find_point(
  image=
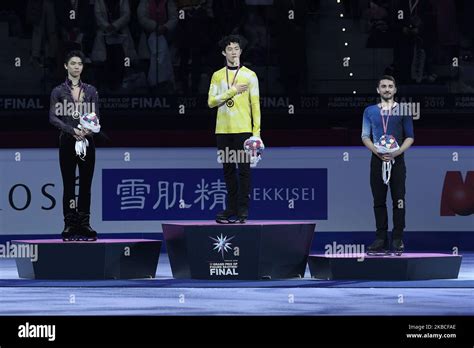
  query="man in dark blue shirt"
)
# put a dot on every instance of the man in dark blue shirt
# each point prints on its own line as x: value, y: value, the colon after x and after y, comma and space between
x: 69, y: 101
x: 388, y: 118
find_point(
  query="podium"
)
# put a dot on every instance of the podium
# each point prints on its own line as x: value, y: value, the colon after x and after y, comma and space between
x: 251, y: 251
x: 102, y: 259
x: 409, y: 266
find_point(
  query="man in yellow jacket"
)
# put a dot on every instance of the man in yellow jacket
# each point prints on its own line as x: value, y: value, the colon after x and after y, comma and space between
x: 234, y: 91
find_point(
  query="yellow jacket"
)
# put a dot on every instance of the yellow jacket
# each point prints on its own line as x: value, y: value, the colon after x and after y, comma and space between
x: 244, y: 115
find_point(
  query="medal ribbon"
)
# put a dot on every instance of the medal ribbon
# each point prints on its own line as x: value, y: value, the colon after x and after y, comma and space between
x: 72, y: 96
x: 227, y: 76
x: 385, y: 124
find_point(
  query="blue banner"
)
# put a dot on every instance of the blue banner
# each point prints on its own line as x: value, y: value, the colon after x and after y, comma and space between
x: 198, y: 194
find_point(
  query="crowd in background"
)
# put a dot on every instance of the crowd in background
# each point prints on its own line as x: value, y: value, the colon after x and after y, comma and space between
x: 170, y: 46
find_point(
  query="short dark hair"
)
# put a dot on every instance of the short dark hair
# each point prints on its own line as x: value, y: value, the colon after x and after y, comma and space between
x: 387, y: 77
x: 75, y: 53
x: 227, y: 40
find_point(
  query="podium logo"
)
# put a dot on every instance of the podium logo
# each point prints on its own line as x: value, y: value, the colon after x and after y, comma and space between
x: 222, y: 244
x: 227, y: 267
x: 37, y: 331
x: 458, y: 195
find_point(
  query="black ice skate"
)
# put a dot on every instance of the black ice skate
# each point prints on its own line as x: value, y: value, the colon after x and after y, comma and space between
x: 379, y: 247
x: 227, y: 216
x: 85, y: 231
x: 70, y: 231
x: 242, y: 215
x: 398, y: 247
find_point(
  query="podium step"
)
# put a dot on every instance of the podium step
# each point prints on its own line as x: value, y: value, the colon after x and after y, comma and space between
x: 251, y: 251
x: 103, y: 259
x: 409, y: 266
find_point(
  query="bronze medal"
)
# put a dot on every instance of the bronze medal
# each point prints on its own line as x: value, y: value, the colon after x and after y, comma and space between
x: 229, y: 103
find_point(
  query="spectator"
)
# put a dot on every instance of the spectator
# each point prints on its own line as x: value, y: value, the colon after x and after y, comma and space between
x: 292, y: 43
x: 158, y: 19
x: 41, y: 15
x: 192, y: 40
x: 229, y: 16
x: 113, y: 41
x: 76, y: 29
x: 415, y: 36
x: 380, y: 33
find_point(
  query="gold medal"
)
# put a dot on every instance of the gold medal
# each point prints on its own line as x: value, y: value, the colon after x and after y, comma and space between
x: 229, y: 103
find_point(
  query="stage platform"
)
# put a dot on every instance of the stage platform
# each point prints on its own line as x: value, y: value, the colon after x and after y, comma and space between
x: 409, y: 266
x: 164, y: 295
x: 254, y: 250
x: 101, y: 259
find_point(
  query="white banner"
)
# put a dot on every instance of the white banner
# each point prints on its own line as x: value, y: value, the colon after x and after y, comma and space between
x: 31, y: 186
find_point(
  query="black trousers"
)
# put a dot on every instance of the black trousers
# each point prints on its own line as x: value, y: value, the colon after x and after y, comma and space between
x: 238, y: 186
x: 68, y: 161
x: 379, y: 193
